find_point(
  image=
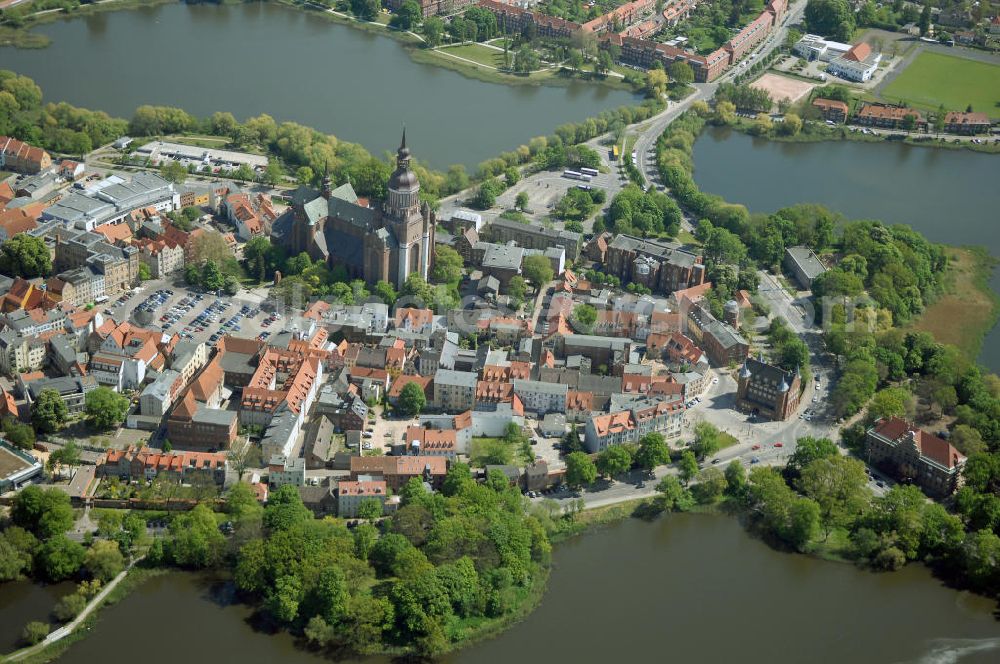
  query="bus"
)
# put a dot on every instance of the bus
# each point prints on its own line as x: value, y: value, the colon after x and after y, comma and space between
x: 573, y: 175
x: 592, y: 172
x: 584, y: 187
x: 615, y: 153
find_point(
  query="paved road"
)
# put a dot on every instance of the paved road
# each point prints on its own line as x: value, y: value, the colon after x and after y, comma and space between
x: 651, y: 129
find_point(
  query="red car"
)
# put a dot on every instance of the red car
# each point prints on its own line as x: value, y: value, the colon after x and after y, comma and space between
x: 779, y: 444
x: 755, y: 447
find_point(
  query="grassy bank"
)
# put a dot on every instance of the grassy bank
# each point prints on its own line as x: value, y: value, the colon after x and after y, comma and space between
x: 969, y: 308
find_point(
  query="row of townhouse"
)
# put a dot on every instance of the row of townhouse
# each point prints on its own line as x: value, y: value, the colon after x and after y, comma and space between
x: 134, y: 464
x: 627, y: 426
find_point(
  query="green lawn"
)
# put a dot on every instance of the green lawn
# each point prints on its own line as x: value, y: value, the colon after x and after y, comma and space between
x: 485, y: 451
x: 934, y: 79
x: 726, y: 440
x: 477, y: 53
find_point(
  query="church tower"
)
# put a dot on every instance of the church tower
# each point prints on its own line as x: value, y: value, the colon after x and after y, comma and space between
x: 403, y: 216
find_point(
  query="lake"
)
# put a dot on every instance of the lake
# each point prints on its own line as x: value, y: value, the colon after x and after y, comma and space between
x: 24, y: 601
x: 685, y: 588
x: 295, y: 65
x: 948, y: 195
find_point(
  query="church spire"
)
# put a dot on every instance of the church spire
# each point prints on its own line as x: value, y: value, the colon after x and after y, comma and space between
x: 327, y: 190
x: 403, y: 153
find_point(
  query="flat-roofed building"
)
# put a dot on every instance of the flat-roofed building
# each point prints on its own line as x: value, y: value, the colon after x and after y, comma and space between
x: 804, y: 265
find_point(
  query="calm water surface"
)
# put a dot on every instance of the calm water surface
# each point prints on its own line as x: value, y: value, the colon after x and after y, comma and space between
x: 688, y: 588
x: 24, y: 601
x: 294, y: 65
x: 948, y: 195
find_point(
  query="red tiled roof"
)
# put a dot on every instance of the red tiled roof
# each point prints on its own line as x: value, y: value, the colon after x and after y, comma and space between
x: 930, y: 446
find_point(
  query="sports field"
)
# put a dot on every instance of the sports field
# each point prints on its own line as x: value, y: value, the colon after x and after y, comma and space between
x: 933, y: 79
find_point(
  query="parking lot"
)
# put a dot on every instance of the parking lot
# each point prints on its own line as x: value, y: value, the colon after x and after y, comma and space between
x: 203, y: 317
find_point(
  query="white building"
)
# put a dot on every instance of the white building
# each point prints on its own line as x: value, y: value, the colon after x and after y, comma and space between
x: 541, y: 397
x: 858, y: 64
x: 814, y: 47
x: 282, y: 470
x: 350, y: 495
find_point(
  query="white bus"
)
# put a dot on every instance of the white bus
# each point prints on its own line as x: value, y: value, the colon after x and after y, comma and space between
x: 573, y: 175
x: 592, y: 172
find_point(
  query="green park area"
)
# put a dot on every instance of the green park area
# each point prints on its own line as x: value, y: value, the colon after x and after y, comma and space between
x: 477, y: 53
x: 934, y: 79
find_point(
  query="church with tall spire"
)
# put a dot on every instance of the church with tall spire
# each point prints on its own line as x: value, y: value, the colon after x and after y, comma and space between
x: 385, y: 243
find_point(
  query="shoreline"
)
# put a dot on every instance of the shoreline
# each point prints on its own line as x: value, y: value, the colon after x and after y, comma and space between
x: 23, y: 37
x: 842, y: 133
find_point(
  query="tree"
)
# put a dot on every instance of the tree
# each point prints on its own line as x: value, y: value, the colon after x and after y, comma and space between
x: 833, y: 19
x: 35, y: 632
x: 448, y: 266
x: 49, y: 411
x: 105, y: 408
x: 584, y: 317
x: 707, y: 440
x: 672, y: 496
x: 366, y: 10
x: 432, y: 30
x: 604, y: 62
x: 538, y: 270
x: 762, y: 125
x: 656, y: 83
x: 17, y: 551
x: 688, y: 466
x: 526, y: 60
x: 69, y: 607
x: 681, y: 72
x: 370, y: 508
x: 808, y: 450
x: 385, y: 292
x: 143, y: 273
x: 274, y: 174
x: 458, y: 476
x: 68, y: 455
x: 104, y: 560
x: 580, y: 470
x: 60, y: 558
x: 407, y: 16
x: 925, y: 19
x: 304, y: 176
x: 46, y: 513
x: 174, y: 171
x: 197, y: 541
x: 241, y: 503
x: 614, y: 460
x: 516, y: 288
x: 967, y: 440
x: 652, y: 452
x: 521, y: 200
x: 736, y: 478
x: 25, y: 256
x: 838, y: 484
x: 412, y: 399
x: 725, y: 113
x: 19, y: 433
x: 709, y: 486
x: 792, y: 125
x: 890, y: 402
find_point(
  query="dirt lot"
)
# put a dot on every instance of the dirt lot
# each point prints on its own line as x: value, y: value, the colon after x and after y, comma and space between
x: 782, y: 87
